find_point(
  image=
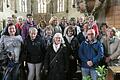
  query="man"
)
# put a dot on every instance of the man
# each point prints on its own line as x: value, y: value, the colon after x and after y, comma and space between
x: 112, y: 46
x: 28, y: 23
x: 90, y: 53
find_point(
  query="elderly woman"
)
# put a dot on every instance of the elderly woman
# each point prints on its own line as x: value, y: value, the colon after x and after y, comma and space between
x: 19, y: 24
x: 56, y: 59
x: 34, y: 49
x: 11, y: 42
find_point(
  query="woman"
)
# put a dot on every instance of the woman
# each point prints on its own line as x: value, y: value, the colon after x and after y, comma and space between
x: 19, y: 24
x: 11, y: 42
x: 48, y: 36
x: 53, y: 22
x: 41, y: 27
x: 56, y: 59
x: 34, y: 49
x: 72, y: 46
x: 82, y: 35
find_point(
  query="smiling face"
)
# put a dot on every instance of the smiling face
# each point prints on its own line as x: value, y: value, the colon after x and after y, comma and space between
x: 12, y: 30
x: 111, y: 33
x: 91, y: 34
x: 70, y: 31
x: 57, y: 40
x: 33, y: 33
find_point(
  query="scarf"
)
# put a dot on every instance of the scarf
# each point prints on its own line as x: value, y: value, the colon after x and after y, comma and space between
x: 56, y: 47
x: 69, y: 39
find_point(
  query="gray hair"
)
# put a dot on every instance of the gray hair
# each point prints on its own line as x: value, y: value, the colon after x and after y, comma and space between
x: 33, y: 29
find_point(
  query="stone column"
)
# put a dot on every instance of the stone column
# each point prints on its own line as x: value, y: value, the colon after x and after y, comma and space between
x: 28, y: 6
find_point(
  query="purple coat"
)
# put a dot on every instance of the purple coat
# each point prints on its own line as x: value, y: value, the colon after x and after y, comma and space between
x: 26, y: 27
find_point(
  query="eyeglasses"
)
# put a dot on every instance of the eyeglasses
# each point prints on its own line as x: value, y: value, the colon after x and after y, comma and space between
x: 90, y: 34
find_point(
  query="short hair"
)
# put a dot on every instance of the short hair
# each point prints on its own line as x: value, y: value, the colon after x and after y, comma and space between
x: 33, y: 29
x: 91, y: 17
x: 29, y: 15
x: 114, y: 31
x: 19, y: 17
x: 103, y: 25
x: 92, y: 31
x: 72, y: 19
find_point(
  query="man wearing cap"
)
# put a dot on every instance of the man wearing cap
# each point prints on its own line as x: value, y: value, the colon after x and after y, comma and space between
x: 28, y: 23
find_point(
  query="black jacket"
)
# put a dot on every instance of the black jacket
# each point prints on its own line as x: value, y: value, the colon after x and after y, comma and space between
x: 35, y: 50
x: 72, y: 49
x: 56, y: 70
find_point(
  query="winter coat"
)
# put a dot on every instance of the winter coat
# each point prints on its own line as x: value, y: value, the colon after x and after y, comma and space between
x: 87, y: 53
x: 113, y: 49
x: 72, y: 51
x: 81, y: 37
x: 25, y: 29
x: 34, y: 50
x: 56, y: 69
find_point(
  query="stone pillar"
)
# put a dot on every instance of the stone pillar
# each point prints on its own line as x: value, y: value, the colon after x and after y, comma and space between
x: 35, y: 6
x: 28, y: 6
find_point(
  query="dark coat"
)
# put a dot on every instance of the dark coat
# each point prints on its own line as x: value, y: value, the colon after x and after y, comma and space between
x: 35, y: 50
x: 56, y: 69
x: 81, y: 37
x: 25, y: 29
x: 72, y: 51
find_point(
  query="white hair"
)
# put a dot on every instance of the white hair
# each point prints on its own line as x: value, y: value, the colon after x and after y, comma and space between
x: 59, y: 35
x: 19, y: 17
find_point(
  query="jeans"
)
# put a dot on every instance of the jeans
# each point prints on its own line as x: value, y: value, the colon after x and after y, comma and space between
x: 34, y: 69
x: 89, y: 72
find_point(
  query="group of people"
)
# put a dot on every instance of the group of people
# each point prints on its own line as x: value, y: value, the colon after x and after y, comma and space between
x: 59, y: 46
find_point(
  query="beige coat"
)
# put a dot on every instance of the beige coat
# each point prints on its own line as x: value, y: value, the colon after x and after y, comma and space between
x: 113, y: 48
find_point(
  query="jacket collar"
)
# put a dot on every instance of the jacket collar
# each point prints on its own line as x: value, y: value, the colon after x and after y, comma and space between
x: 94, y: 41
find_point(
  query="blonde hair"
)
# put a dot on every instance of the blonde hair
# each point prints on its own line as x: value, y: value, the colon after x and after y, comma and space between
x: 52, y: 18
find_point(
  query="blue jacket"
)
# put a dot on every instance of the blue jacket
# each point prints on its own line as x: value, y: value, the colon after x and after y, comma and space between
x: 90, y: 52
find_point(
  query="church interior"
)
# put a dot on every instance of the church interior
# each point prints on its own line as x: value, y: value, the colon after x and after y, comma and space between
x: 104, y: 11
